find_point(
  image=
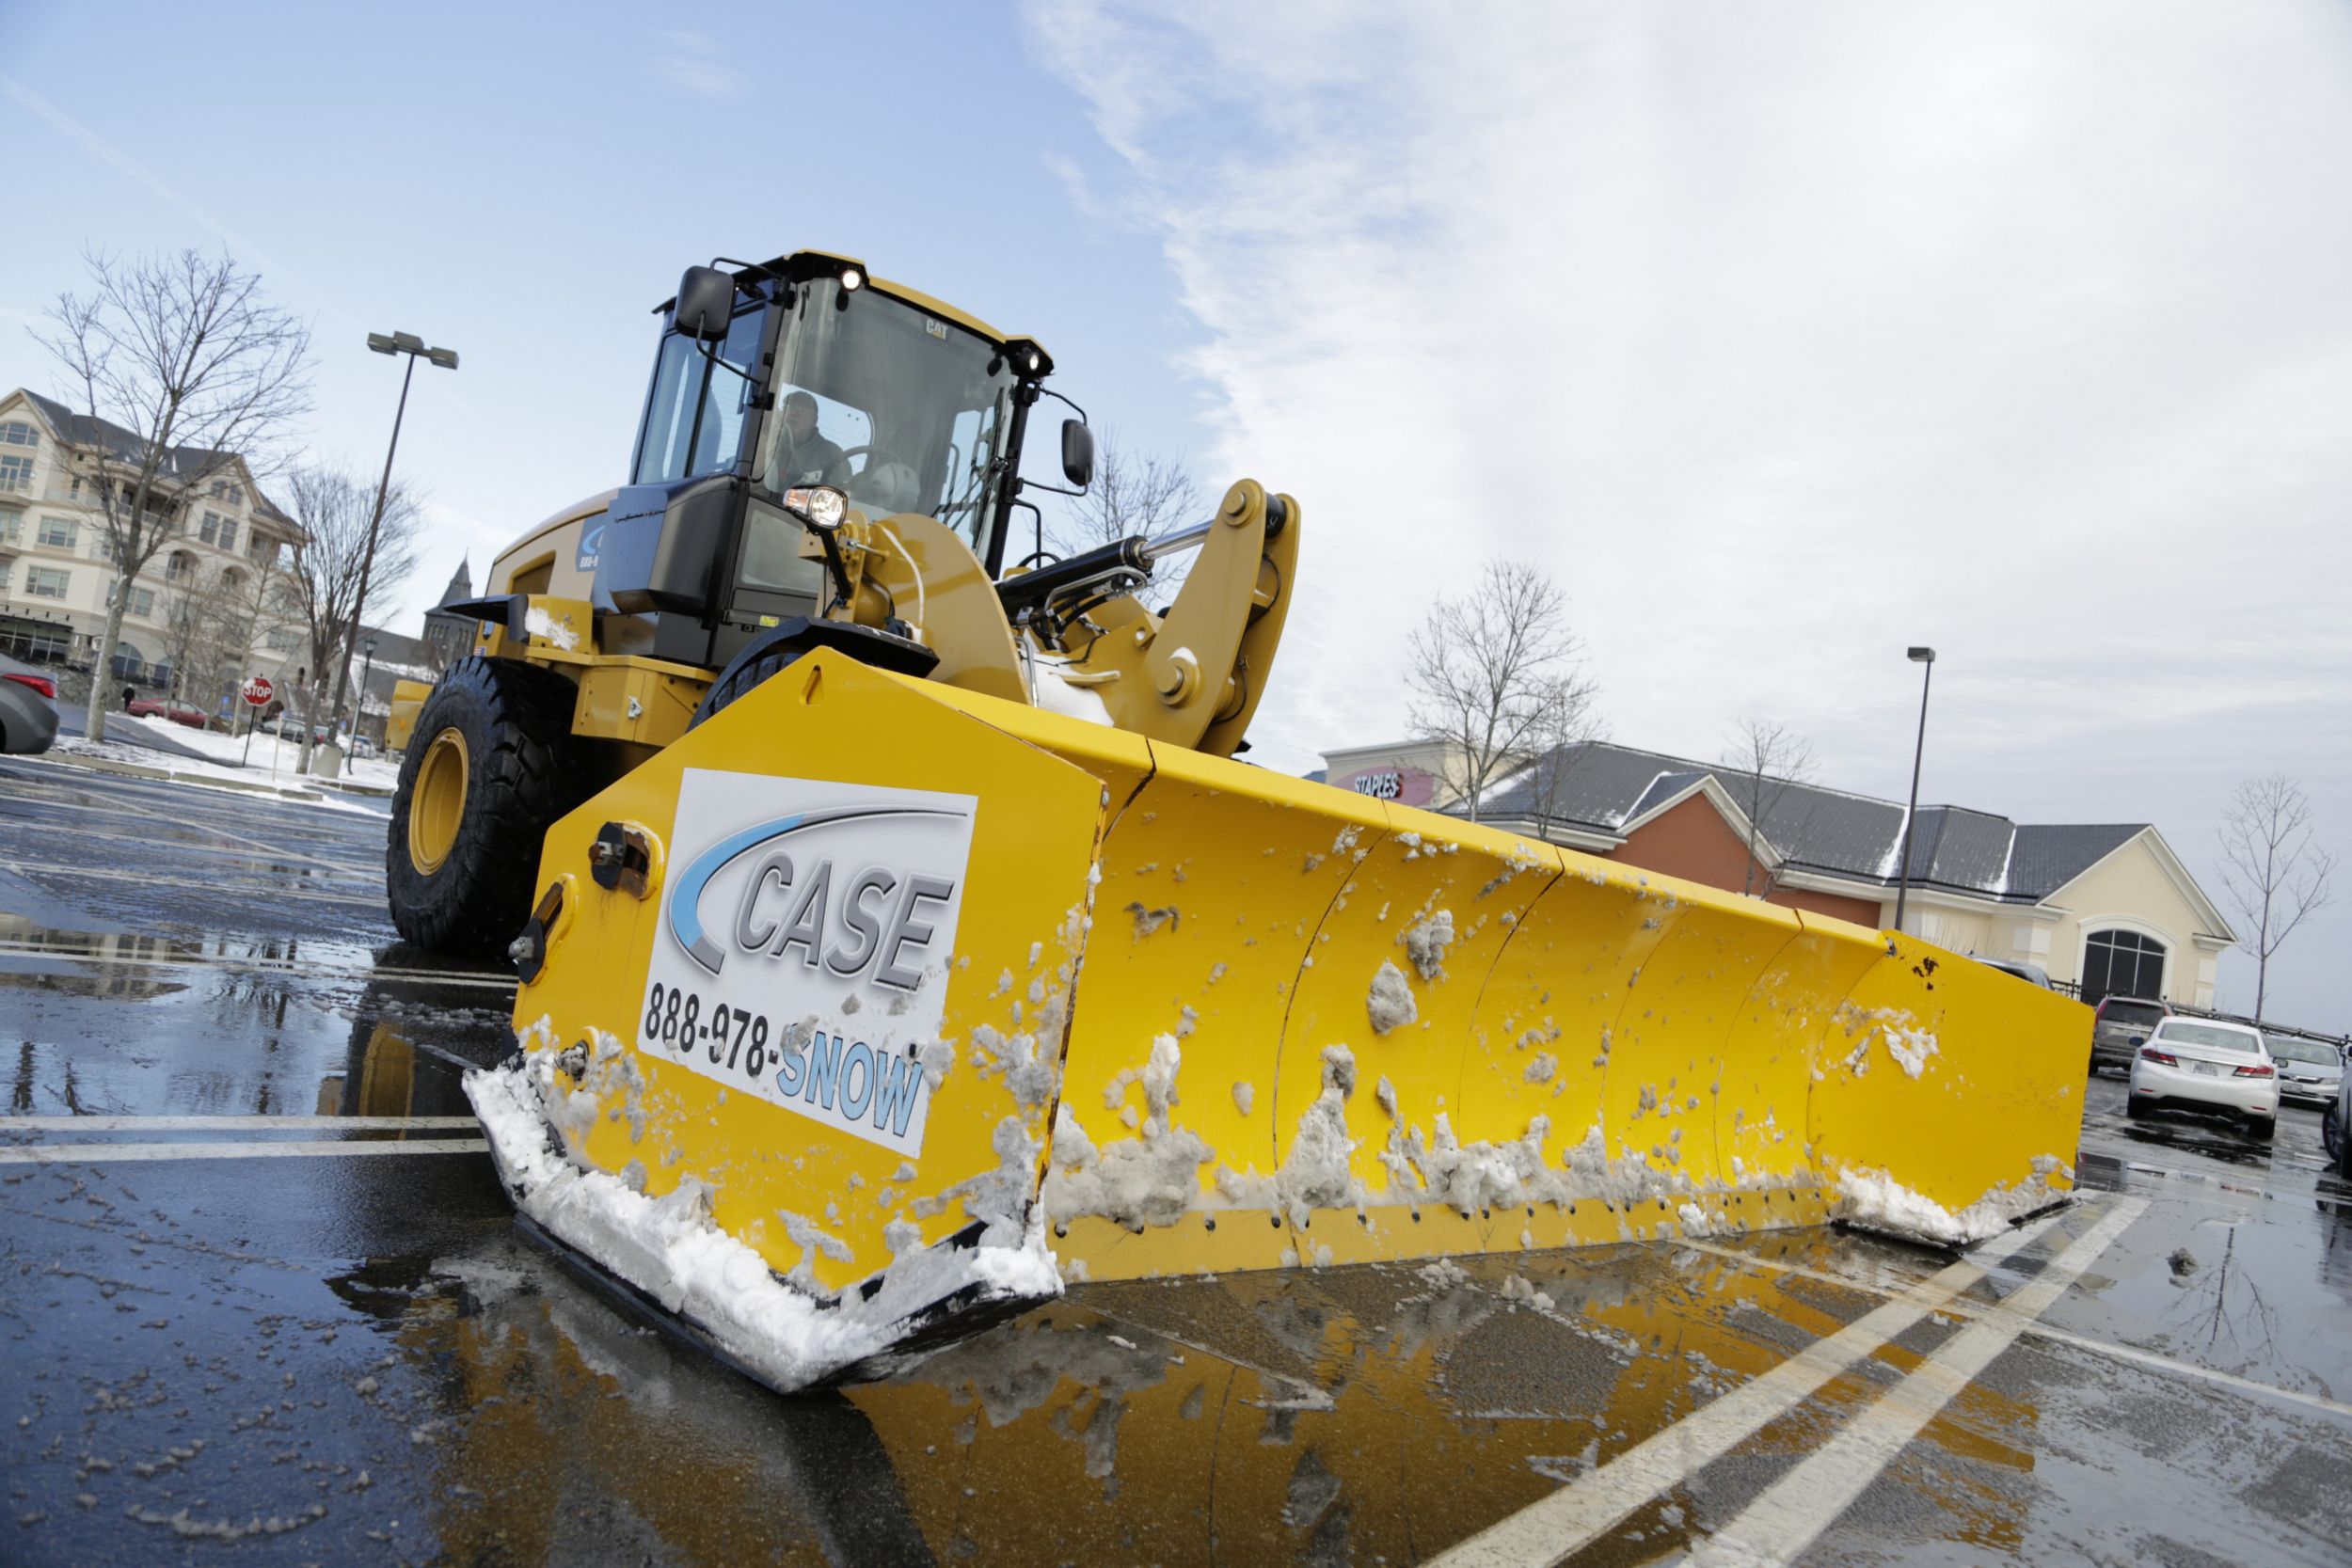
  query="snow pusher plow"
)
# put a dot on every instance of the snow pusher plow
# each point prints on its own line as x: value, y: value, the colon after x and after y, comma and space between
x: 918, y: 999
x: 943, y: 953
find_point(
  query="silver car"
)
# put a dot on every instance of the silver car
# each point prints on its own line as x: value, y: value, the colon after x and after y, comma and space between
x: 2335, y: 1130
x: 2206, y: 1066
x: 2309, y: 1070
x: 28, y: 707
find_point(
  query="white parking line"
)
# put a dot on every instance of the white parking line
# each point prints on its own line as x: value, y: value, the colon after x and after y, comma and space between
x: 1793, y: 1512
x: 119, y: 806
x: 252, y: 884
x: 225, y: 1124
x: 107, y: 1154
x: 235, y: 964
x: 2056, y: 1336
x: 1570, y: 1520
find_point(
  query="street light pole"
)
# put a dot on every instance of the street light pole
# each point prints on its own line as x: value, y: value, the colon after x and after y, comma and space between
x: 359, y: 709
x: 1926, y: 658
x: 398, y: 343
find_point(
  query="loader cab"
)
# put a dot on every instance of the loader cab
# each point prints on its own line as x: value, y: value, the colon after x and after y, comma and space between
x: 918, y: 409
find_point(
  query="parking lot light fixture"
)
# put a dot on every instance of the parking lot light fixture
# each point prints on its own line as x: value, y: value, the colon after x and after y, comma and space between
x: 1925, y: 659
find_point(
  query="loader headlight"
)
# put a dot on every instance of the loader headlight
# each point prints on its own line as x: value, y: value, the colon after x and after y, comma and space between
x: 852, y: 279
x: 820, y: 506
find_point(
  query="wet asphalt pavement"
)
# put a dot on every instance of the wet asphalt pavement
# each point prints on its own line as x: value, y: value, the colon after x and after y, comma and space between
x: 265, y: 1302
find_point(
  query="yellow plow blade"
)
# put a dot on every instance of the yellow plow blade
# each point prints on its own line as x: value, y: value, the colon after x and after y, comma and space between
x: 869, y: 1007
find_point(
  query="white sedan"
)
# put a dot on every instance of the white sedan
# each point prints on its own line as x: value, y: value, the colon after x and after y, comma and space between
x: 2194, y: 1064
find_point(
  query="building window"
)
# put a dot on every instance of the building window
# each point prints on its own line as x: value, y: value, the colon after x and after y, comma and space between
x: 16, y: 433
x: 222, y: 490
x: 2122, y: 964
x: 59, y: 533
x: 46, y: 583
x: 227, y: 534
x: 179, y: 567
x: 284, y: 639
x: 16, y: 473
x: 143, y: 602
x: 11, y: 527
x: 213, y: 521
x: 7, y: 570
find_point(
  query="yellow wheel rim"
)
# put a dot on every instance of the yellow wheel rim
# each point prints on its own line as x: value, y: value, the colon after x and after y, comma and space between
x: 437, y: 804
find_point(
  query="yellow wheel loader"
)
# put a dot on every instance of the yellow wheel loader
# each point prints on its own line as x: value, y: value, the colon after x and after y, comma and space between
x: 898, y: 938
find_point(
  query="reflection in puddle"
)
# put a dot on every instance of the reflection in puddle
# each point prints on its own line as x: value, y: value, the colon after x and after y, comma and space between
x: 2212, y: 1141
x: 1350, y: 1414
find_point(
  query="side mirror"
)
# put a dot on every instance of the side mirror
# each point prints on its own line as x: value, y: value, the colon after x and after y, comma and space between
x: 706, y: 303
x: 1077, y: 452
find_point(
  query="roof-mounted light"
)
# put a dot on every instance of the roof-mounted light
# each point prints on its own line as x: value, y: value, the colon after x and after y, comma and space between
x: 852, y: 278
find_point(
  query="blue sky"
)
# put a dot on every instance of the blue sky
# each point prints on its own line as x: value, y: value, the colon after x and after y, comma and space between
x: 1784, y: 336
x: 523, y: 184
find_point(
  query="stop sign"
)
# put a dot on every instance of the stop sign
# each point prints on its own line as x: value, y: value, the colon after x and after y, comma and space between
x: 258, y: 692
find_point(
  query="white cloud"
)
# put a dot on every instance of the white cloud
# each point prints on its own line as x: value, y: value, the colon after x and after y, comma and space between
x: 1784, y: 338
x: 692, y: 62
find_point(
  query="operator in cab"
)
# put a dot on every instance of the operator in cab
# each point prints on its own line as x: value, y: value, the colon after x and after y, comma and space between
x: 804, y: 456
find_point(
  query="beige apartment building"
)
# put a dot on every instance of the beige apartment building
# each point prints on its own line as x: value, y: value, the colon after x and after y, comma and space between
x: 211, y: 607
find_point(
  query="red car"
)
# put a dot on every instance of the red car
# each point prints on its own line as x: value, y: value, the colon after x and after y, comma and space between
x: 158, y: 708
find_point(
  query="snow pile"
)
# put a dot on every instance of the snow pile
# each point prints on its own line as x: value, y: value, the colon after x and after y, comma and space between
x: 1151, y: 1179
x: 1518, y: 1290
x: 1907, y: 1042
x: 1874, y: 1200
x: 272, y: 762
x: 1315, y: 1175
x: 1426, y: 943
x: 1468, y: 1178
x: 1391, y: 1001
x: 670, y: 1249
x: 1031, y: 1076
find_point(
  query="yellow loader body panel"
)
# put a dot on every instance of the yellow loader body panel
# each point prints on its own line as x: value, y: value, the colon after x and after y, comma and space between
x: 1184, y: 1014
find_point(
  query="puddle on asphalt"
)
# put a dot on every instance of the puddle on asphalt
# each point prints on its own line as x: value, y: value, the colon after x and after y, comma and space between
x: 308, y: 954
x: 221, y: 1039
x: 1351, y: 1414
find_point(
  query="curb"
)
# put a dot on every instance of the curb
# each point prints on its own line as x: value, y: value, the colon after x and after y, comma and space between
x: 141, y: 770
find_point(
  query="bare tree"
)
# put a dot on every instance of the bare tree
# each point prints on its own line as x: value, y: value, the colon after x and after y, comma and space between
x: 323, y: 581
x: 1132, y: 493
x: 1493, y: 679
x: 1766, y: 760
x: 183, y: 354
x: 2272, y: 871
x: 188, y: 609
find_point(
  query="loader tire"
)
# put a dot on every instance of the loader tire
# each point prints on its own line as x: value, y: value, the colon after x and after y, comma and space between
x: 491, y: 766
x: 755, y: 664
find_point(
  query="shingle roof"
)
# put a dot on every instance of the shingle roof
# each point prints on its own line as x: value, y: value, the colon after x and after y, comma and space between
x: 85, y: 430
x: 2048, y: 858
x: 1598, y: 787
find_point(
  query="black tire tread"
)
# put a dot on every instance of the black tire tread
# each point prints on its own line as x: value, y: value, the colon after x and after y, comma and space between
x: 759, y: 662
x: 523, y: 774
